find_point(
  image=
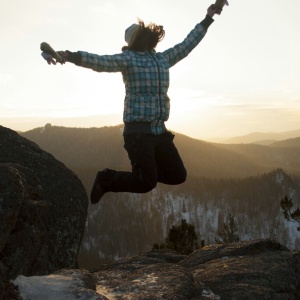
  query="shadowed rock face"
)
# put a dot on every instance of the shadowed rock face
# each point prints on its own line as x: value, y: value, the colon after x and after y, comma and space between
x: 261, y: 269
x: 254, y: 270
x: 43, y: 208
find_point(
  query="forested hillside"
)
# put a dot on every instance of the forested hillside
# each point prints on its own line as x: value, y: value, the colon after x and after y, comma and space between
x: 247, y: 181
x: 88, y: 150
x: 290, y: 143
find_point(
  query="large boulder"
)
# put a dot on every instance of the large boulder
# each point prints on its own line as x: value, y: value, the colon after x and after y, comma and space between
x: 43, y: 209
x: 254, y: 270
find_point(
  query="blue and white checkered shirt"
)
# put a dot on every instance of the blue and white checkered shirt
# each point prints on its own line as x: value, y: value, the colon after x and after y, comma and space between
x: 146, y: 77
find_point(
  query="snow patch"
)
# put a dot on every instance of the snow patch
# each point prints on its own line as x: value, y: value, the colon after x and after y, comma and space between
x: 87, y: 246
x: 279, y: 177
x: 210, y: 295
x: 55, y: 286
x: 46, y: 287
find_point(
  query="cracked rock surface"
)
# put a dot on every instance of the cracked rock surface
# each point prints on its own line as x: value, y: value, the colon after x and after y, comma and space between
x: 261, y: 269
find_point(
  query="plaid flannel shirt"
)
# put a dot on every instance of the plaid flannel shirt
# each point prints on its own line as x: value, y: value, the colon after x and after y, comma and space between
x: 146, y: 77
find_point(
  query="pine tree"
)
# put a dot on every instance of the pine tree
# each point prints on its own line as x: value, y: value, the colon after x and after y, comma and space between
x: 181, y: 238
x: 287, y: 205
x: 272, y: 236
x: 229, y: 233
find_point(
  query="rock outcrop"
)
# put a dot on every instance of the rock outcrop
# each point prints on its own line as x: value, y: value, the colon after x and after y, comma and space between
x: 254, y: 270
x: 43, y: 209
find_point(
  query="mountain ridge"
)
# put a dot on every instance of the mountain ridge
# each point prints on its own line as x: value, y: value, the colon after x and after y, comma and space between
x: 103, y: 147
x: 293, y: 142
x: 262, y: 137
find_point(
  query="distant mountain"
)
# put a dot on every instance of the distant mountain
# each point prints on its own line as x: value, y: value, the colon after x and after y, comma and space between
x: 92, y: 149
x: 263, y: 138
x: 247, y: 180
x: 264, y: 142
x: 290, y: 143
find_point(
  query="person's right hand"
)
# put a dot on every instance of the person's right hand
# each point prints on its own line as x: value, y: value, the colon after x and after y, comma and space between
x: 51, y: 61
x: 63, y: 55
x: 49, y: 58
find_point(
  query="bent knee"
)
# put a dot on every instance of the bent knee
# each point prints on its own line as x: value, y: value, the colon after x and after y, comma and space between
x: 180, y: 178
x: 146, y: 187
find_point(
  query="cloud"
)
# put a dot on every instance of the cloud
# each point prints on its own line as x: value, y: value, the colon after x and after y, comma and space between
x: 6, y: 78
x: 53, y: 20
x: 106, y: 8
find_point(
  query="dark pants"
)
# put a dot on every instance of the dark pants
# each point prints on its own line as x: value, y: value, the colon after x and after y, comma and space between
x: 154, y: 158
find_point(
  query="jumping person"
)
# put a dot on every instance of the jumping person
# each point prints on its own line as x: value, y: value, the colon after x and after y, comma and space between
x: 153, y: 155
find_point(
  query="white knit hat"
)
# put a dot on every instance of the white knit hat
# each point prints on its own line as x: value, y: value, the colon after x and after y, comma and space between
x: 130, y: 32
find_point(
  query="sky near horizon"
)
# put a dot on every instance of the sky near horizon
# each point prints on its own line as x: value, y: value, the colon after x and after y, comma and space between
x: 243, y: 77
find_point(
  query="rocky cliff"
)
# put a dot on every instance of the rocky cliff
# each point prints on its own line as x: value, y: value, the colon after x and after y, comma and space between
x: 43, y: 209
x: 261, y: 269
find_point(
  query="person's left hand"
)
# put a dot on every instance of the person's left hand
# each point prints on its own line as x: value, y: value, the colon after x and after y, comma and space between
x: 211, y: 11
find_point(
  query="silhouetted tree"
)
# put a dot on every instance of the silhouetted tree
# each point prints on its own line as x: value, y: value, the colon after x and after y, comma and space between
x: 292, y: 216
x: 229, y: 233
x: 181, y: 238
x: 202, y: 245
x: 159, y: 246
x: 272, y: 235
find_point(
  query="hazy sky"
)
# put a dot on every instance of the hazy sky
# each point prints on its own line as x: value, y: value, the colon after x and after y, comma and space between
x: 243, y: 77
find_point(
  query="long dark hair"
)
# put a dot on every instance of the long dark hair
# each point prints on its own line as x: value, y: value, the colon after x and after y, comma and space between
x: 146, y: 37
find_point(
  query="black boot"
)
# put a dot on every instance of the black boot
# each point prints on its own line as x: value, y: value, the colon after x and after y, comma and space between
x: 101, y: 185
